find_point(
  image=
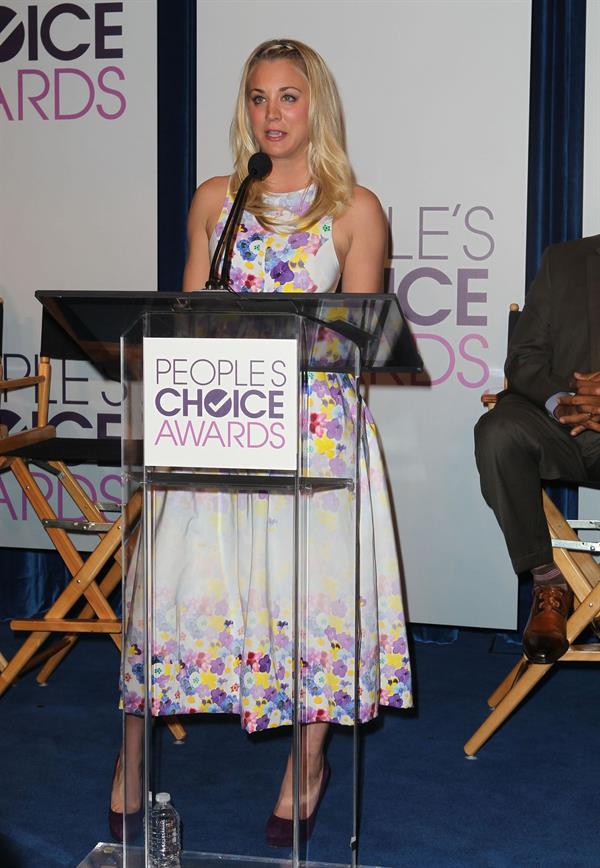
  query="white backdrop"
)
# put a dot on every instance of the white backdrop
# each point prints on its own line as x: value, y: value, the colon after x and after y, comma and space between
x: 589, y: 499
x: 77, y: 202
x: 437, y: 118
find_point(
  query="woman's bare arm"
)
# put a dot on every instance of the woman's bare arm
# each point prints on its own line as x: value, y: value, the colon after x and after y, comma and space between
x: 363, y: 231
x: 202, y: 218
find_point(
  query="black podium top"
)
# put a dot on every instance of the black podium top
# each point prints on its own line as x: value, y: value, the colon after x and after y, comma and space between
x: 88, y: 325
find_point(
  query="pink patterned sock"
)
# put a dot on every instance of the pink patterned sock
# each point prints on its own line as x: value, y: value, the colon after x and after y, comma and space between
x: 548, y: 574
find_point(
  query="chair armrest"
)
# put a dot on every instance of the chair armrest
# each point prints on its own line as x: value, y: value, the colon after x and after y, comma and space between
x: 26, y: 438
x: 21, y: 383
x: 489, y: 399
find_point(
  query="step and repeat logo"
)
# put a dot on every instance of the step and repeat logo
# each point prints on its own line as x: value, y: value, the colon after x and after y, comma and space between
x: 444, y: 272
x: 220, y: 403
x: 61, y: 61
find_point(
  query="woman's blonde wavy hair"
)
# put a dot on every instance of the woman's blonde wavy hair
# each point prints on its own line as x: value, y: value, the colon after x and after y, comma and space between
x: 328, y: 162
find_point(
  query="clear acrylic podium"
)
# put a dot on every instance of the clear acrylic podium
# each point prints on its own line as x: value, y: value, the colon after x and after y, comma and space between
x: 240, y: 536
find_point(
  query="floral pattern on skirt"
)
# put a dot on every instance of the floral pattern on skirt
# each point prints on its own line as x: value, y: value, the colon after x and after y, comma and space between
x: 223, y: 589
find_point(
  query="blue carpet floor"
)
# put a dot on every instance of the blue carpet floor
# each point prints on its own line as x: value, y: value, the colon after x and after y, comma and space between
x: 529, y: 799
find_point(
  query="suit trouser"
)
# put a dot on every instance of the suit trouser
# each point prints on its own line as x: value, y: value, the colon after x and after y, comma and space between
x: 517, y: 445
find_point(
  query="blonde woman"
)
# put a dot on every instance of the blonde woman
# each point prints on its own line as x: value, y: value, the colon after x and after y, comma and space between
x: 306, y: 227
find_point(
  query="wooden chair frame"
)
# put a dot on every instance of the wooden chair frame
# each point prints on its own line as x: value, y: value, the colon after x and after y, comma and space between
x: 576, y: 562
x: 94, y: 577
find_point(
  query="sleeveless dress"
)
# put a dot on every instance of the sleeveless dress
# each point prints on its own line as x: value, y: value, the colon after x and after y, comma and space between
x: 223, y: 582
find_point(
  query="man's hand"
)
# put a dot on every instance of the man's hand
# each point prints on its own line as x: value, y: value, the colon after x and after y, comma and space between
x: 582, y: 410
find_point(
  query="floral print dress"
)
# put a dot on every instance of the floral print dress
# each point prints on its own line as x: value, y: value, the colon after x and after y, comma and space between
x: 223, y: 567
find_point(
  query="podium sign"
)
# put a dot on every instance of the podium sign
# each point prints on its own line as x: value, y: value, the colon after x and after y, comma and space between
x: 220, y: 403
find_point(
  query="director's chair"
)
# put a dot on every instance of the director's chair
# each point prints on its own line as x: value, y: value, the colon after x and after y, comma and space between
x: 575, y: 559
x: 83, y: 606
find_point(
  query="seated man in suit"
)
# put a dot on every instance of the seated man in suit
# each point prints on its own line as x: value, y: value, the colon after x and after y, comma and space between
x: 546, y: 426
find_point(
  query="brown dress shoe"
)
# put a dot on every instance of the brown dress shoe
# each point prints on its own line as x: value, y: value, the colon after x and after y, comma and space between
x: 545, y: 636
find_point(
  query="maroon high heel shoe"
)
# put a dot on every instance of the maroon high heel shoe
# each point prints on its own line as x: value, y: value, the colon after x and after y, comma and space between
x: 280, y: 832
x: 115, y: 818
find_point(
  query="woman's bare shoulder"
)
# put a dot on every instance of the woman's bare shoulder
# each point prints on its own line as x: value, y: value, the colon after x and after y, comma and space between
x: 364, y: 211
x: 206, y: 205
x: 209, y: 196
x: 364, y: 202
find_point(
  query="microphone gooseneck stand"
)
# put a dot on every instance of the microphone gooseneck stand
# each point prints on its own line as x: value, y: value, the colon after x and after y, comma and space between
x: 259, y: 166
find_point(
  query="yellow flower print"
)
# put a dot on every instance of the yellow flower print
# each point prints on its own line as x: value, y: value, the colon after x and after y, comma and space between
x: 262, y: 679
x: 215, y: 622
x: 325, y: 446
x: 209, y: 678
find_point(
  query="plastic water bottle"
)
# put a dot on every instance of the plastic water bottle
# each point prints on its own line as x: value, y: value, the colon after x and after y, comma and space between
x: 165, y: 841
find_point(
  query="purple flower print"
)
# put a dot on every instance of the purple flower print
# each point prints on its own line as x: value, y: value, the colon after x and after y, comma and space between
x: 219, y: 697
x: 399, y: 646
x: 343, y: 699
x: 264, y: 664
x: 217, y: 666
x: 395, y: 701
x: 338, y: 607
x: 237, y: 277
x: 285, y: 703
x: 302, y: 281
x: 338, y: 466
x: 282, y: 273
x: 346, y: 641
x: 340, y: 668
x: 167, y: 649
x: 298, y: 239
x: 334, y: 429
x: 320, y: 388
x: 262, y: 722
x: 403, y: 676
x: 225, y: 638
x: 270, y: 694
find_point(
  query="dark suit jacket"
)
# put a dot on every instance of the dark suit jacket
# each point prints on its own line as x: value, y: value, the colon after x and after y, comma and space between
x: 558, y: 331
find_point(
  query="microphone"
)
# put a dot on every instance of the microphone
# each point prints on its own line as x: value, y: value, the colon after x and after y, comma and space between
x: 259, y: 166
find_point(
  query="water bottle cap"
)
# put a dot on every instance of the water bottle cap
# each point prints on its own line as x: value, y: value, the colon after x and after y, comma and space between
x: 163, y: 798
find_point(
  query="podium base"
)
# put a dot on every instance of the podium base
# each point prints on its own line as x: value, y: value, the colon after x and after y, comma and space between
x: 111, y: 856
